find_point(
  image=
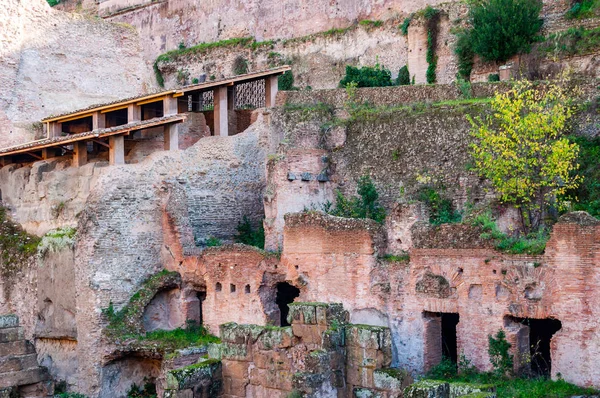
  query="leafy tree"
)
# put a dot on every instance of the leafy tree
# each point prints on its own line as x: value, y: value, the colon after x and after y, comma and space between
x: 521, y: 151
x: 503, y: 28
x: 464, y: 53
x: 365, y: 206
x: 367, y: 76
x: 500, y: 357
x: 403, y: 77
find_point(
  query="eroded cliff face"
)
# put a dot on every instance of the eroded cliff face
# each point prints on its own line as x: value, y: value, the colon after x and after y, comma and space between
x: 52, y: 62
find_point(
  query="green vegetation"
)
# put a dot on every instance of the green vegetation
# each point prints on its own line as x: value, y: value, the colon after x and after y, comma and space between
x: 367, y: 76
x: 69, y: 395
x: 432, y: 16
x: 56, y: 240
x: 573, y: 41
x: 405, y: 24
x: 240, y: 66
x: 464, y: 54
x: 285, y: 82
x: 441, y: 210
x: 403, y: 76
x: 521, y: 151
x: 583, y: 9
x: 148, y: 390
x: 493, y: 77
x: 170, y: 340
x: 588, y: 193
x: 52, y: 3
x: 465, y: 88
x: 213, y: 242
x: 250, y: 236
x: 397, y: 258
x: 500, y: 357
x: 367, y: 23
x: 366, y: 205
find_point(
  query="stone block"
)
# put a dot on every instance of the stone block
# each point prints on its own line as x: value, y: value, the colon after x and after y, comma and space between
x: 236, y: 352
x: 234, y: 387
x: 21, y: 347
x: 275, y: 379
x: 317, y: 362
x: 41, y: 389
x: 366, y: 393
x: 9, y: 321
x: 23, y: 377
x: 365, y: 357
x: 235, y: 369
x: 240, y: 334
x: 366, y: 336
x: 272, y: 360
x: 276, y: 338
x: 392, y: 380
x: 360, y: 376
x: 11, y: 334
x: 200, y: 374
x: 428, y: 389
x: 16, y: 363
x: 476, y: 390
x: 308, y: 382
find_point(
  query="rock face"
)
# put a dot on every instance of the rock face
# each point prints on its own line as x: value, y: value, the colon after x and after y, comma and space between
x: 52, y: 62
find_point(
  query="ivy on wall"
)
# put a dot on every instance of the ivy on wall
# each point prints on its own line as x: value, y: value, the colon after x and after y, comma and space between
x: 432, y: 16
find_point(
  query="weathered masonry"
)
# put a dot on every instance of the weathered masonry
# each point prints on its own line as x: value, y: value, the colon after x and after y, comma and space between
x: 108, y: 131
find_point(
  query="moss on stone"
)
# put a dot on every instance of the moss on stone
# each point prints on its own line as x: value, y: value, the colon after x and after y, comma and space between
x: 192, y: 374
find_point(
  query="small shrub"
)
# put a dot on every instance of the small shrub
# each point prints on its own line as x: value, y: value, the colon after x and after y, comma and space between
x: 146, y: 391
x: 195, y: 80
x: 583, y: 9
x: 500, y: 357
x: 240, y: 66
x: 52, y: 3
x: 367, y: 76
x: 213, y: 242
x: 403, y: 76
x: 444, y: 370
x: 441, y: 210
x: 588, y: 193
x: 397, y: 258
x: 182, y: 76
x: 465, y: 88
x: 493, y: 77
x: 250, y: 236
x: 366, y: 205
x: 285, y: 82
x: 405, y: 25
x: 181, y: 45
x: 464, y: 53
x: 371, y: 24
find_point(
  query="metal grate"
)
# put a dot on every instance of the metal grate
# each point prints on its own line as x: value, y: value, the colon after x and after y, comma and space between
x: 203, y: 102
x: 250, y: 95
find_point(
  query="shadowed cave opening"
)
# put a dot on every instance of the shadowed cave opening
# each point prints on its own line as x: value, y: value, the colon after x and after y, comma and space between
x: 534, y: 341
x: 440, y: 337
x: 449, y: 345
x: 286, y: 294
x: 201, y: 296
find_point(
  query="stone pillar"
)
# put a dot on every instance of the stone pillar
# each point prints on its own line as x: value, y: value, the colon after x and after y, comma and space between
x: 116, y: 149
x: 55, y: 130
x: 170, y: 106
x: 79, y: 153
x: 220, y: 112
x: 98, y: 120
x: 134, y: 113
x: 172, y: 137
x: 48, y: 153
x: 271, y: 88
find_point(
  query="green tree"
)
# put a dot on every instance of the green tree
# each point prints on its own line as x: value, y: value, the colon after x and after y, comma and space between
x: 403, y: 77
x: 503, y: 28
x: 521, y: 150
x: 499, y: 352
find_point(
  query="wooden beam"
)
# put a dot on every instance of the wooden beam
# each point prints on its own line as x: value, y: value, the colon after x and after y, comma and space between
x: 101, y: 143
x: 118, y: 108
x: 150, y: 101
x: 34, y: 155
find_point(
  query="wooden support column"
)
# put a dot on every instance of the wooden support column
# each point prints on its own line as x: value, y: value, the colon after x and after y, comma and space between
x: 48, y: 153
x: 116, y: 149
x: 98, y: 120
x: 5, y: 161
x: 271, y: 88
x: 134, y: 113
x: 220, y: 113
x: 170, y: 106
x: 55, y: 130
x: 79, y: 153
x: 172, y: 137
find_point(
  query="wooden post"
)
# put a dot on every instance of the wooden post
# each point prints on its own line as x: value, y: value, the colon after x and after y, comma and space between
x: 170, y: 106
x: 98, y: 120
x: 134, y: 113
x: 55, y: 130
x: 116, y: 149
x: 5, y: 161
x: 220, y: 112
x: 48, y: 153
x: 271, y: 88
x: 172, y: 137
x: 79, y: 153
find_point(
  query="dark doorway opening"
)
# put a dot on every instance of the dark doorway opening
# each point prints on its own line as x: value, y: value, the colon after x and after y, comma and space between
x: 449, y: 344
x: 286, y: 294
x: 540, y: 335
x: 201, y: 297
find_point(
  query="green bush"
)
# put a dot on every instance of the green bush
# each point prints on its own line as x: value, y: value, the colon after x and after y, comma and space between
x: 370, y: 23
x: 367, y: 76
x: 503, y: 28
x: 52, y: 3
x: 443, y: 370
x: 432, y: 16
x: 588, y: 193
x: 213, y: 242
x: 148, y: 390
x: 403, y: 76
x: 441, y: 210
x: 499, y: 352
x: 285, y: 82
x: 366, y: 205
x: 583, y: 9
x: 573, y: 41
x: 250, y: 236
x: 464, y: 53
x: 240, y: 66
x: 405, y: 25
x: 493, y: 77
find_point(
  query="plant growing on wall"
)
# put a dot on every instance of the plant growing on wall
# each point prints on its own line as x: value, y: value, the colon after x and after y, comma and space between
x: 520, y: 149
x: 503, y: 28
x: 464, y: 53
x: 432, y: 16
x: 249, y: 235
x: 366, y: 205
x: 500, y: 357
x: 285, y: 82
x: 240, y: 66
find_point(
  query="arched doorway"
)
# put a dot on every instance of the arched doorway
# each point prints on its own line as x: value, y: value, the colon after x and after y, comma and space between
x: 286, y: 294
